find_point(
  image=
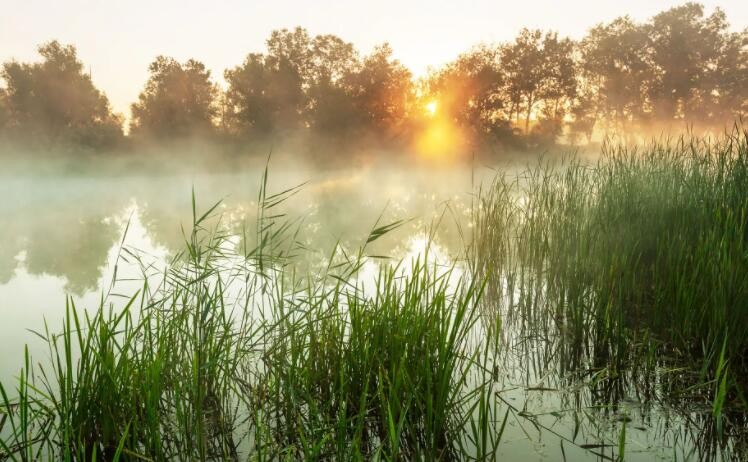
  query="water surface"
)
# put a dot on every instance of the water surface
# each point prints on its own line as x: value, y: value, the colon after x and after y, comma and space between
x: 63, y: 235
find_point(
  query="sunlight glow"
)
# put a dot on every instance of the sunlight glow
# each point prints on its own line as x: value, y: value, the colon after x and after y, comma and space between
x: 431, y: 107
x: 440, y: 141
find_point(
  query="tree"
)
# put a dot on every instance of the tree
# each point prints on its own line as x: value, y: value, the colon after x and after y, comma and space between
x: 382, y: 91
x: 470, y: 91
x: 557, y: 89
x: 331, y: 108
x: 317, y: 83
x: 301, y: 82
x: 725, y: 92
x: 55, y: 102
x: 732, y: 74
x: 266, y: 93
x: 584, y: 118
x: 4, y: 111
x: 615, y: 72
x: 685, y: 53
x: 179, y: 100
x: 539, y: 76
x: 292, y: 49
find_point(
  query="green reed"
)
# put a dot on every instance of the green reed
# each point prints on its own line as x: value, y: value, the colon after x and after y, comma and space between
x: 231, y: 352
x: 228, y: 355
x: 646, y: 245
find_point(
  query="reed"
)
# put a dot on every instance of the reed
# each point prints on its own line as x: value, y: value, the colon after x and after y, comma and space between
x: 236, y: 351
x: 228, y: 355
x: 648, y: 246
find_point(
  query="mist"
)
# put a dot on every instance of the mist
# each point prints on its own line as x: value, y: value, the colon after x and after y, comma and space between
x: 536, y: 251
x: 316, y: 95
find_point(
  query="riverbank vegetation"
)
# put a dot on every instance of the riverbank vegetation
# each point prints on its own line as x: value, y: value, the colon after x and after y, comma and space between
x: 228, y: 354
x: 640, y: 257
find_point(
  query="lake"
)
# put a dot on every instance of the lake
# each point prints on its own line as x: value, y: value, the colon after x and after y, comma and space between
x: 63, y: 235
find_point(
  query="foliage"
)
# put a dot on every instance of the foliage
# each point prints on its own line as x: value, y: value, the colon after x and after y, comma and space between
x: 55, y: 102
x: 227, y: 355
x: 679, y: 67
x: 179, y: 100
x: 469, y: 90
x: 319, y: 83
x: 624, y: 78
x: 539, y: 75
x: 645, y: 243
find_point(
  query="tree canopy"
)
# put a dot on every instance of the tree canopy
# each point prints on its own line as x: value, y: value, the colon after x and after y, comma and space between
x: 178, y: 101
x: 54, y: 101
x: 320, y: 83
x: 680, y: 67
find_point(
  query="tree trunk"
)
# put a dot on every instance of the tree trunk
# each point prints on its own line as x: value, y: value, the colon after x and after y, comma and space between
x: 530, y: 103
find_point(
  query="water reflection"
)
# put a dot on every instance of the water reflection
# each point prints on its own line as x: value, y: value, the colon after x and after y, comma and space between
x: 62, y: 235
x: 74, y: 250
x: 565, y: 409
x: 65, y: 226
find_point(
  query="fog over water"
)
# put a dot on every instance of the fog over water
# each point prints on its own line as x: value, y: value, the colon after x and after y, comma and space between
x: 63, y: 230
x: 332, y: 243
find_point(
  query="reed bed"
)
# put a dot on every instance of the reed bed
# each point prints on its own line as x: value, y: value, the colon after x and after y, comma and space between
x: 638, y: 256
x: 228, y: 355
x: 630, y: 272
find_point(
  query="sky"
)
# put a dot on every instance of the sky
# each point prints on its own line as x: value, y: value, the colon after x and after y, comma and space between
x: 118, y: 39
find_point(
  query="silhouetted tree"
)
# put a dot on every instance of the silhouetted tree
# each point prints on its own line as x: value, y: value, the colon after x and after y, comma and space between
x: 55, y: 101
x: 679, y: 66
x: 685, y: 50
x: 4, y: 112
x: 729, y: 79
x: 623, y: 76
x: 317, y: 83
x: 584, y: 117
x: 179, y: 100
x: 266, y: 93
x: 331, y: 109
x: 470, y: 92
x: 558, y: 87
x: 615, y: 73
x: 539, y: 78
x: 292, y: 48
x: 382, y: 91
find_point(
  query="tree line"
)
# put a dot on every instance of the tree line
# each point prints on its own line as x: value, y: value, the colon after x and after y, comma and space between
x: 679, y: 67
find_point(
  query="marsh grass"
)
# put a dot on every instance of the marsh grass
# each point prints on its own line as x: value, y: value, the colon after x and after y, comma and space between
x: 228, y: 355
x: 629, y: 275
x: 638, y: 257
x: 387, y: 375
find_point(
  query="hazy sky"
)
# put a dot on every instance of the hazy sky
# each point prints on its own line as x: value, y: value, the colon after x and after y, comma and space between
x: 118, y: 39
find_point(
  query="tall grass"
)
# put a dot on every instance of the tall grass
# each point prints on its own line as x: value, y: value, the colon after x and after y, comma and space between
x: 646, y: 245
x: 232, y: 352
x: 229, y: 355
x: 388, y: 374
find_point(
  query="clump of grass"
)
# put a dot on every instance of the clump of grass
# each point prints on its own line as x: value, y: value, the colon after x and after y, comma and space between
x: 387, y: 374
x: 229, y: 356
x: 645, y: 244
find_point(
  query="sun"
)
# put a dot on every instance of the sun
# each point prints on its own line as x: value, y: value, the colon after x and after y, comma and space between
x: 431, y: 108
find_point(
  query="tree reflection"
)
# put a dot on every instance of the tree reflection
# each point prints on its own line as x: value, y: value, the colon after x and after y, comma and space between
x: 74, y: 248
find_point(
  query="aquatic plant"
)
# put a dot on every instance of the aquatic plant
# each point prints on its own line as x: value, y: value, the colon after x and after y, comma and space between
x: 644, y: 252
x: 227, y: 355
